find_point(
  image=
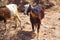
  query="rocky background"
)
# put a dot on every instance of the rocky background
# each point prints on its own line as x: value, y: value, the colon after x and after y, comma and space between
x: 50, y: 27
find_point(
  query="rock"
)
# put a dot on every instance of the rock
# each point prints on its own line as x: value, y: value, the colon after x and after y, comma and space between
x: 58, y: 18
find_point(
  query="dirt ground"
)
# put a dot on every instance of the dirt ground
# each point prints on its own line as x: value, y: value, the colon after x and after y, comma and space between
x: 49, y: 30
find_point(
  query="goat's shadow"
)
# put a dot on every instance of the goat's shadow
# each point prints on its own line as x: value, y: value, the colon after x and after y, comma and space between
x: 25, y: 35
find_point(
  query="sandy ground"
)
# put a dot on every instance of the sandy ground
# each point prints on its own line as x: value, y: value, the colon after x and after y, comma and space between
x: 49, y: 30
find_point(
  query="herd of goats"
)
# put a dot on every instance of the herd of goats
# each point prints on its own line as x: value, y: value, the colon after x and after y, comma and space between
x: 36, y: 14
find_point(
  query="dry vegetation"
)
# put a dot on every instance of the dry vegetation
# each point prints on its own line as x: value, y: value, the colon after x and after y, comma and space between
x: 50, y: 27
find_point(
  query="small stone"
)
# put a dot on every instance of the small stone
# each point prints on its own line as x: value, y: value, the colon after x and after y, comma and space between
x: 58, y: 18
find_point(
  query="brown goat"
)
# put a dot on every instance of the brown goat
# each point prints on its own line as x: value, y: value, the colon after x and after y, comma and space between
x: 6, y: 13
x: 36, y: 15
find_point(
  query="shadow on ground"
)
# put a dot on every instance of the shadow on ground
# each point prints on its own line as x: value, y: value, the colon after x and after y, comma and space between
x: 24, y: 35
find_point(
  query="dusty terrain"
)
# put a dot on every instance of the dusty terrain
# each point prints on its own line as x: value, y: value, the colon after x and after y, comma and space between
x: 50, y: 27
